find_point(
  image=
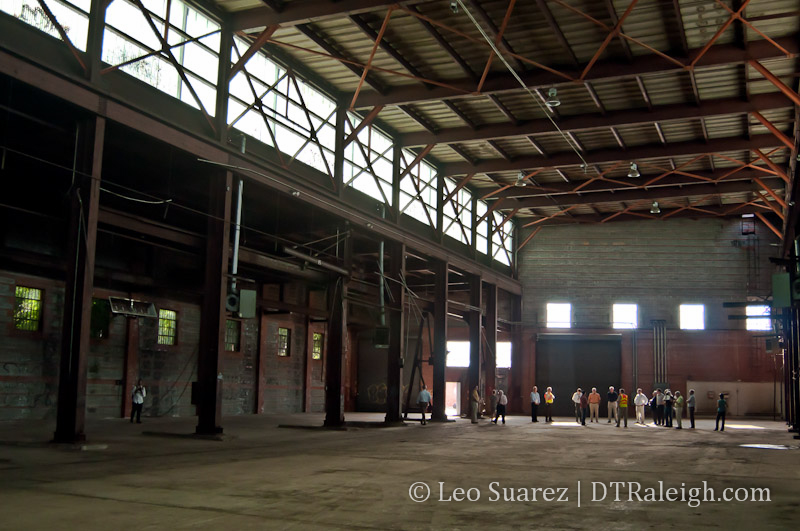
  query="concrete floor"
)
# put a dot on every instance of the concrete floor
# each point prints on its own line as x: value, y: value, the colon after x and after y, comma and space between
x: 260, y: 476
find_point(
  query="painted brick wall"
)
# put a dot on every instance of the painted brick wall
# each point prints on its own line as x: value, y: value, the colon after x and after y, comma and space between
x: 29, y: 362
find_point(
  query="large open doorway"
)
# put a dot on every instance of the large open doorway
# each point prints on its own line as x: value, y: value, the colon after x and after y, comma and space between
x: 453, y: 399
x: 566, y: 362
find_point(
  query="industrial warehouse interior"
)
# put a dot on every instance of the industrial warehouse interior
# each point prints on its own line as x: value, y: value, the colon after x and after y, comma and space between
x: 317, y: 264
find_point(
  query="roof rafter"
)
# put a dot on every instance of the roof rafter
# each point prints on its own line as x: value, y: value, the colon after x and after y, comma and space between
x: 647, y: 151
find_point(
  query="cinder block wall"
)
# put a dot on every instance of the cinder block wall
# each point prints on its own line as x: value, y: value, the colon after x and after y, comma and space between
x: 657, y: 265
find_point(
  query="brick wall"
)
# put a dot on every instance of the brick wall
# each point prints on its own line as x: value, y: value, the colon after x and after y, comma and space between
x: 657, y: 265
x: 29, y: 361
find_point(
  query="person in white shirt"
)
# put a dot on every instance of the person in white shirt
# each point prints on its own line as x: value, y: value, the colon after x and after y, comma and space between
x: 535, y: 401
x: 576, y: 400
x: 502, y: 400
x: 640, y: 400
x: 423, y: 400
x: 138, y: 394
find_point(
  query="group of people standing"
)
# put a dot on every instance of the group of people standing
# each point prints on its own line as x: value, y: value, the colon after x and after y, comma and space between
x: 666, y: 406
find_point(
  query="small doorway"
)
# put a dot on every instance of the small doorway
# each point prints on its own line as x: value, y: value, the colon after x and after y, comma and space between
x: 452, y: 399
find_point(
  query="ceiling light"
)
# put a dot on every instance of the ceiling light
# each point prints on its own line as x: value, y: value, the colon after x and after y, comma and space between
x: 654, y: 209
x: 520, y: 179
x: 454, y: 6
x: 552, y: 98
x: 634, y: 171
x: 296, y: 193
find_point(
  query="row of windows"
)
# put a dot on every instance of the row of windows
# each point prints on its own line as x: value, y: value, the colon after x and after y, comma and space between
x: 267, y: 103
x: 458, y: 354
x: 29, y: 305
x: 691, y: 316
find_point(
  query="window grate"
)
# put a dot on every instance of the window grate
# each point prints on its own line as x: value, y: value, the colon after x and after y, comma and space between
x: 316, y: 346
x: 233, y: 334
x: 28, y: 309
x: 167, y: 327
x: 283, y: 342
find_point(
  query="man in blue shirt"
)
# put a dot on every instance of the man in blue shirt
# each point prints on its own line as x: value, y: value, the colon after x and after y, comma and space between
x: 423, y: 400
x: 722, y: 408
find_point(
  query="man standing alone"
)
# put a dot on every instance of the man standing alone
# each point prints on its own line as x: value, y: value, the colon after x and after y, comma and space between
x: 138, y: 394
x: 678, y: 408
x: 423, y: 400
x: 612, y: 405
x: 502, y: 400
x: 535, y: 401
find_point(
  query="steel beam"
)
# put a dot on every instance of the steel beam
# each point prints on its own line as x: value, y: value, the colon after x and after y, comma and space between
x: 641, y: 65
x: 337, y: 343
x: 586, y: 122
x: 439, y: 350
x: 77, y: 315
x: 649, y: 195
x: 474, y: 322
x: 304, y: 11
x: 651, y: 151
x: 213, y: 316
x: 490, y: 359
x: 394, y: 376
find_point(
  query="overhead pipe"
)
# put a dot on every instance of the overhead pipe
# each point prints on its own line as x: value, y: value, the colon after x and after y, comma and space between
x: 316, y: 261
x: 238, y: 227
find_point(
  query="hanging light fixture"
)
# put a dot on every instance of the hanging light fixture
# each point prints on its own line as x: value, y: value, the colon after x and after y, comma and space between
x: 634, y: 171
x: 552, y: 98
x: 520, y: 179
x: 654, y: 209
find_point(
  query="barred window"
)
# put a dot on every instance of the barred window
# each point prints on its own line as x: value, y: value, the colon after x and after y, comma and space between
x: 167, y: 327
x: 233, y: 334
x: 101, y: 318
x: 28, y: 309
x: 283, y: 341
x: 316, y: 346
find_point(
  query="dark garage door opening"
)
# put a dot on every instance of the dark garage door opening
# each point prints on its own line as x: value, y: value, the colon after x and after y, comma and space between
x: 566, y: 362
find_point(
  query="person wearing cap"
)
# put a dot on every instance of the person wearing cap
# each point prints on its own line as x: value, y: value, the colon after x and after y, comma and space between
x: 622, y: 411
x: 612, y: 405
x: 594, y: 405
x: 576, y: 400
x: 640, y: 400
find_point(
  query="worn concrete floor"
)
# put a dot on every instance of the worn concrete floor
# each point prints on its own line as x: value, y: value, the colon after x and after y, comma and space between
x: 260, y: 476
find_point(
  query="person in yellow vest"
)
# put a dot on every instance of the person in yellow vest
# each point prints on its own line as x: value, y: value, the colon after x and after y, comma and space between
x: 623, y: 407
x: 549, y: 397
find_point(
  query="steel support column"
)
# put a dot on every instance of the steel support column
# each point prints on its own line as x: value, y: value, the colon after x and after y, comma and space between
x: 490, y: 367
x: 474, y: 322
x: 338, y: 151
x: 131, y: 366
x: 394, y: 377
x: 439, y: 348
x: 223, y: 83
x: 94, y: 41
x: 515, y: 386
x: 75, y: 330
x: 213, y: 316
x: 337, y: 344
